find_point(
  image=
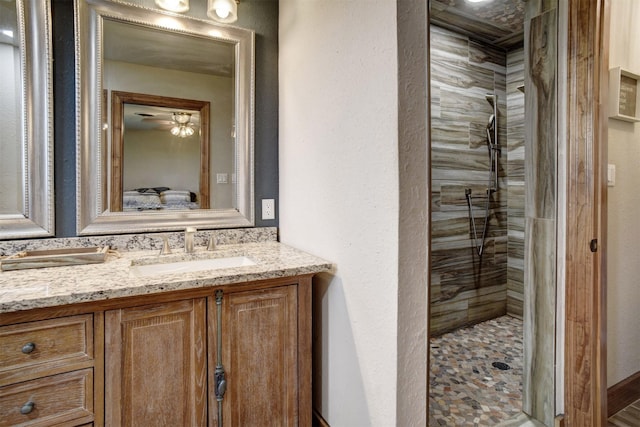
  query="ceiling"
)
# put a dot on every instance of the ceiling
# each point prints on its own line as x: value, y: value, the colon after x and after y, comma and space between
x: 147, y: 117
x: 496, y: 22
x: 167, y: 49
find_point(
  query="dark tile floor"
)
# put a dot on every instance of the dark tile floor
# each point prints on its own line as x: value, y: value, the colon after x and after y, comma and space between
x: 467, y: 386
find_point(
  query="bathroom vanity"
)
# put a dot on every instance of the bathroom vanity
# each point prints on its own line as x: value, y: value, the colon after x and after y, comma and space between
x: 113, y: 344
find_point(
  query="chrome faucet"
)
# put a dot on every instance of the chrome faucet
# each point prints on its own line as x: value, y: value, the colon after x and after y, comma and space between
x: 188, y: 239
x: 166, y: 249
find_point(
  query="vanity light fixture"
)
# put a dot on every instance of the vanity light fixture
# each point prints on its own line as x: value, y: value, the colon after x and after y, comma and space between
x: 225, y: 11
x: 7, y: 33
x: 183, y: 126
x: 173, y: 5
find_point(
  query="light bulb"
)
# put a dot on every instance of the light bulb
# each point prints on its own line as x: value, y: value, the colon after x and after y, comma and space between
x: 182, y: 130
x: 223, y: 12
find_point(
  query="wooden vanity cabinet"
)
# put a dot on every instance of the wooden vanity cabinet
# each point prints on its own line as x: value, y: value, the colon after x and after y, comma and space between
x: 155, y: 365
x: 151, y: 360
x: 259, y: 355
x: 46, y: 372
x: 161, y: 359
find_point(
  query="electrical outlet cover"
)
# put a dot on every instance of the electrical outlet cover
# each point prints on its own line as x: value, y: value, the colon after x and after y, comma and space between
x: 268, y: 209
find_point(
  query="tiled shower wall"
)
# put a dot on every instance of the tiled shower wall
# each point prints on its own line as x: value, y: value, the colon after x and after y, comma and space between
x: 466, y: 288
x: 515, y: 172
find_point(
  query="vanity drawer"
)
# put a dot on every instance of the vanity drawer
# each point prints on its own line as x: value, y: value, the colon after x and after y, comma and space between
x: 47, y: 401
x: 46, y: 347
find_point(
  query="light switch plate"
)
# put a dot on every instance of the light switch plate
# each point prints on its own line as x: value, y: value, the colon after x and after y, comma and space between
x: 611, y: 175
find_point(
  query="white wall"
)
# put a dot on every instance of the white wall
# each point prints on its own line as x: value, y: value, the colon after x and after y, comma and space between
x: 623, y: 235
x: 155, y: 158
x: 339, y: 193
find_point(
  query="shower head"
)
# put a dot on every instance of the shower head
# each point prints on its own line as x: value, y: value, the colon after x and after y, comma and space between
x: 491, y: 98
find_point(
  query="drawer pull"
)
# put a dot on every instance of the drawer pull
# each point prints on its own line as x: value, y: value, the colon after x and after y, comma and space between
x: 28, y: 347
x: 27, y: 408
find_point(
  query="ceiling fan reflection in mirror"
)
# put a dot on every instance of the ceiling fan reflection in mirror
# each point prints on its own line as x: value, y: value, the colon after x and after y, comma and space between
x: 179, y: 123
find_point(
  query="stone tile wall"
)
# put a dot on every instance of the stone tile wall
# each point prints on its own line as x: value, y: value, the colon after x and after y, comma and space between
x: 539, y: 382
x: 466, y: 288
x: 516, y: 189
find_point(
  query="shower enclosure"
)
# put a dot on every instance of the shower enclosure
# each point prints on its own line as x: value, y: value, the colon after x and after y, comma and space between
x: 477, y: 137
x: 467, y: 289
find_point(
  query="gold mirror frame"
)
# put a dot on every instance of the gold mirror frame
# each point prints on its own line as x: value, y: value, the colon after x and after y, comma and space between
x: 93, y: 215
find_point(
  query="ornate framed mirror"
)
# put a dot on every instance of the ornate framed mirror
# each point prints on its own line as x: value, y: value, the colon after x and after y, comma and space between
x: 26, y: 137
x: 146, y: 78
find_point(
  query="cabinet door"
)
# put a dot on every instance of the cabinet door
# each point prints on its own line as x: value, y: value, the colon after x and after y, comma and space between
x: 259, y: 354
x: 155, y: 365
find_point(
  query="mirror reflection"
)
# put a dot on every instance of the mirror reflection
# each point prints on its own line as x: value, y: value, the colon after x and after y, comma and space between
x: 165, y: 68
x: 160, y: 153
x: 26, y: 136
x: 11, y: 105
x: 166, y: 118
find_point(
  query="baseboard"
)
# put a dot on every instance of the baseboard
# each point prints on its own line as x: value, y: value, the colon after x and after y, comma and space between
x: 621, y: 395
x: 318, y: 421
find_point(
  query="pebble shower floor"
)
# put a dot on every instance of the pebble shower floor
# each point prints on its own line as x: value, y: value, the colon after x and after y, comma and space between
x: 466, y: 389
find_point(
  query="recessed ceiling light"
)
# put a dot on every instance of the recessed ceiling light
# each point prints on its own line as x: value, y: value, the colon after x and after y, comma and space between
x: 475, y: 1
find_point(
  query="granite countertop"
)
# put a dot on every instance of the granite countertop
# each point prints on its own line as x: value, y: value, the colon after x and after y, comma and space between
x: 54, y: 286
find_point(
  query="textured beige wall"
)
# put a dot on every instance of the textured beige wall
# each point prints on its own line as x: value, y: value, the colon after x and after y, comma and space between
x: 623, y: 234
x: 339, y: 198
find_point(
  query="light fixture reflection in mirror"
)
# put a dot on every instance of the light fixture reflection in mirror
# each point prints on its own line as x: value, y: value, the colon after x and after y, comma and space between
x: 183, y: 126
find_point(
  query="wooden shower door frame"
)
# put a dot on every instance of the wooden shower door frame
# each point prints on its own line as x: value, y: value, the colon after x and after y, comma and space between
x: 585, y: 290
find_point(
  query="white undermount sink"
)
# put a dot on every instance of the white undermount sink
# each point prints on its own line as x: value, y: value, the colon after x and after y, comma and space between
x: 190, y: 266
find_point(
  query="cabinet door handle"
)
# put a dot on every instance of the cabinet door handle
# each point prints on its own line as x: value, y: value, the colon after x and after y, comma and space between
x: 219, y: 375
x: 27, y: 408
x: 28, y: 347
